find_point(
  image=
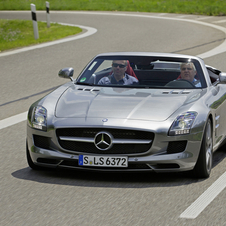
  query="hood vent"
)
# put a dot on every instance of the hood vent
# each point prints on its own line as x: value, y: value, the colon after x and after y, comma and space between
x: 176, y: 92
x: 89, y: 89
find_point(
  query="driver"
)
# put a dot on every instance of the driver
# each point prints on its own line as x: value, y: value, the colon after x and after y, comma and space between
x: 188, y: 72
x: 119, y: 76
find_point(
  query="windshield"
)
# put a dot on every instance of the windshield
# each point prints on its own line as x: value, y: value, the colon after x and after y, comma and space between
x: 143, y: 72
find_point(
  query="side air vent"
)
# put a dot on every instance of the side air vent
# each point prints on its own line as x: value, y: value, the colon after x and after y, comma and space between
x: 41, y: 141
x: 176, y: 147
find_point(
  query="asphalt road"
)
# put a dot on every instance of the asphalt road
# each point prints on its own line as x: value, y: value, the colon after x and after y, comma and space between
x: 29, y: 198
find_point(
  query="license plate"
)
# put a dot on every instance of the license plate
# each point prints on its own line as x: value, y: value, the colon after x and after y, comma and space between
x: 103, y: 161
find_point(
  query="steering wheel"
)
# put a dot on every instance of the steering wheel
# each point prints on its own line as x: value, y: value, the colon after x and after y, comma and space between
x: 180, y: 83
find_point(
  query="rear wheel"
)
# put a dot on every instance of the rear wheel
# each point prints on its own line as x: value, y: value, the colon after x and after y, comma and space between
x: 204, y: 163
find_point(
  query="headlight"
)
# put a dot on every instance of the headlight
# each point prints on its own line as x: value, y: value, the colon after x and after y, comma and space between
x: 39, y: 118
x: 182, y: 124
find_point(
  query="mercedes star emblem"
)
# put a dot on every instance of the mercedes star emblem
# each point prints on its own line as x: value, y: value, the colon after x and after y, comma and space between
x: 103, y: 141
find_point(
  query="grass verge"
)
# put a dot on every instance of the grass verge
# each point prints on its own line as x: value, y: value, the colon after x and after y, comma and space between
x: 19, y: 33
x: 204, y: 7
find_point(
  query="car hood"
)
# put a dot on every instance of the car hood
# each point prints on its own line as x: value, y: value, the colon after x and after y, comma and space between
x: 137, y: 104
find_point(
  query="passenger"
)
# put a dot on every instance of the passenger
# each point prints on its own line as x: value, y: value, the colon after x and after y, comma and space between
x: 188, y: 72
x: 119, y: 76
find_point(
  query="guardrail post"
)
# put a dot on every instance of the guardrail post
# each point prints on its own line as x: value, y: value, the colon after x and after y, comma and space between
x: 47, y: 14
x: 34, y: 19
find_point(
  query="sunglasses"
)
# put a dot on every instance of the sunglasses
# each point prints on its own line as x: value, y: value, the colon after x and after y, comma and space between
x: 188, y: 68
x: 120, y: 65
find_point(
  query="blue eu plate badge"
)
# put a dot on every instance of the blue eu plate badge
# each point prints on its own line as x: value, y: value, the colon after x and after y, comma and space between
x: 80, y: 160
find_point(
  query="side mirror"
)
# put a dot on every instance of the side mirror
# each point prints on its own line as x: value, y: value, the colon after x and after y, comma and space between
x: 222, y: 77
x: 66, y: 73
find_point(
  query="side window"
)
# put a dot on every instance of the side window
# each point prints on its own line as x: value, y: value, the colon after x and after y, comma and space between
x: 213, y: 76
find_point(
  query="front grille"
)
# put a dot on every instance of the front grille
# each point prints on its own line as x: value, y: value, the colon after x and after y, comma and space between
x: 176, y: 147
x: 86, y: 147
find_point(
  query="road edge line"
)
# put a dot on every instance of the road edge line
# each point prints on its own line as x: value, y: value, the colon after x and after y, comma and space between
x: 205, y: 199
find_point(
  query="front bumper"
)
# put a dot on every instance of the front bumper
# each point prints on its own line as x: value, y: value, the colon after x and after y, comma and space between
x: 175, y: 162
x: 161, y: 157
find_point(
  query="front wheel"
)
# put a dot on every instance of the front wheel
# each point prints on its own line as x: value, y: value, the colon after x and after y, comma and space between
x: 204, y: 163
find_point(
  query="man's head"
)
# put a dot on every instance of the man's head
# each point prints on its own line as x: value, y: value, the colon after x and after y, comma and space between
x: 188, y: 71
x: 119, y: 67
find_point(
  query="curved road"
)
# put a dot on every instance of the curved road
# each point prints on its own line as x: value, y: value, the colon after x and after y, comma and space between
x: 79, y: 198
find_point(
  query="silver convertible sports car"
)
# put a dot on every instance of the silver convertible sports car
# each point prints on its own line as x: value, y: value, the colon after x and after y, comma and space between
x: 131, y: 111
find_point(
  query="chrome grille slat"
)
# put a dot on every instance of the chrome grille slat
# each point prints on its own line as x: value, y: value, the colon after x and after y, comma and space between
x: 114, y: 141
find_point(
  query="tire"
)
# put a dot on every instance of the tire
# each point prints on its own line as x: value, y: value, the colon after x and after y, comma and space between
x: 30, y: 162
x: 204, y: 163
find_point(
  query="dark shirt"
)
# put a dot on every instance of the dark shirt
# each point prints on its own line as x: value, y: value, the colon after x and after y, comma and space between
x: 127, y: 80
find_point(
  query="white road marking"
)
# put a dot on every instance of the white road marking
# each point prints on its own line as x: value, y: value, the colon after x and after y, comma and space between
x: 220, y: 21
x: 205, y: 199
x: 162, y: 14
x: 214, y: 190
x: 13, y: 120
